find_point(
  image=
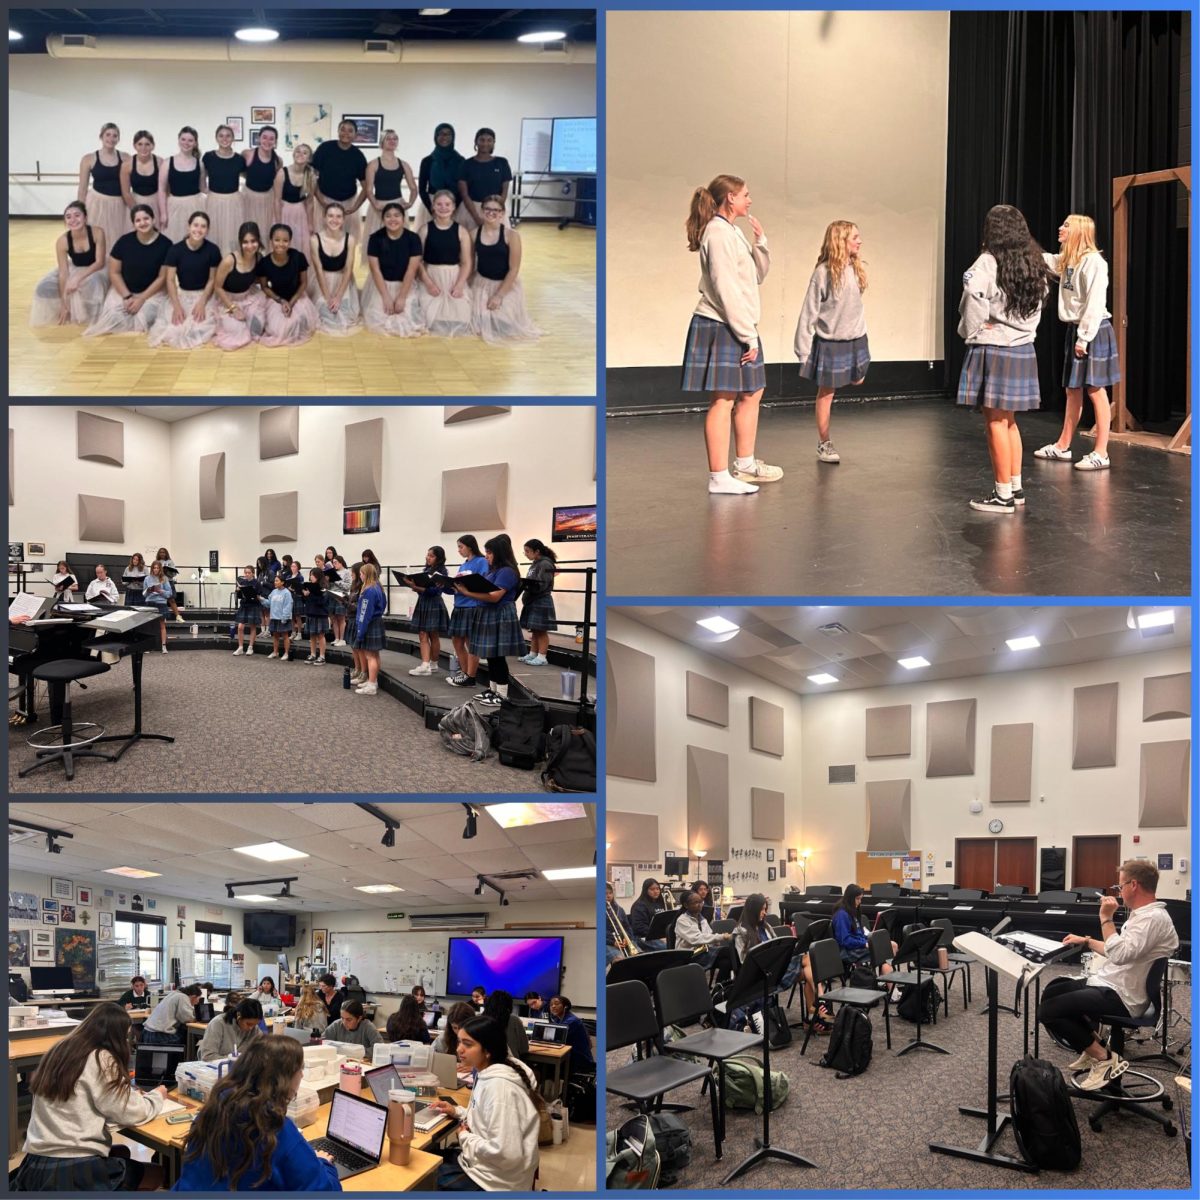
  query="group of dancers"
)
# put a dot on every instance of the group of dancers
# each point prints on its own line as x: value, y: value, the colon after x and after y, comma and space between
x: 1004, y: 291
x: 208, y: 260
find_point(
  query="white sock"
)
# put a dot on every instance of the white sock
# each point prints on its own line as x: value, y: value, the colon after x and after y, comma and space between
x: 501, y: 689
x: 744, y: 464
x: 1004, y: 490
x: 721, y: 482
x: 1016, y: 483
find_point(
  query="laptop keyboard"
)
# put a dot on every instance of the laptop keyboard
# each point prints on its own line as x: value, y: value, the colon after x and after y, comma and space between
x: 340, y: 1155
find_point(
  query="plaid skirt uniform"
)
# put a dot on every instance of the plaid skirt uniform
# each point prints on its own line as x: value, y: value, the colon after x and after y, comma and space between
x: 496, y: 632
x: 315, y: 625
x: 41, y: 1173
x: 461, y: 621
x: 1003, y: 377
x: 538, y: 615
x: 834, y: 364
x: 1099, y: 367
x: 712, y: 360
x: 250, y: 612
x: 429, y: 615
x: 371, y: 638
x: 283, y: 625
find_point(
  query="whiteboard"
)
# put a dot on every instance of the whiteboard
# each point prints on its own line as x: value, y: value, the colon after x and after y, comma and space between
x: 535, y: 144
x: 389, y: 962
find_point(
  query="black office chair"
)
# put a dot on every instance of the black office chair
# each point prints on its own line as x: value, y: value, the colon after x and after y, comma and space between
x: 1145, y: 1089
x: 939, y: 889
x: 1010, y: 889
x: 966, y: 894
x: 772, y: 920
x: 825, y: 959
x: 66, y: 742
x: 1058, y: 897
x: 735, y: 913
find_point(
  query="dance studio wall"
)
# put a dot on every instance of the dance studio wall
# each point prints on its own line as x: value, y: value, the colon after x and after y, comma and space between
x: 666, y: 797
x: 56, y: 106
x: 1065, y: 802
x: 827, y: 115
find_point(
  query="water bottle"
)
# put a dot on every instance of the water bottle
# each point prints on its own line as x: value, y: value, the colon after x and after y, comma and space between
x: 452, y: 665
x: 195, y: 630
x: 346, y: 679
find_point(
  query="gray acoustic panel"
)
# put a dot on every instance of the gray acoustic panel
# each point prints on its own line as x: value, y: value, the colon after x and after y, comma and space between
x: 629, y: 712
x: 279, y: 431
x: 1167, y: 697
x: 278, y: 517
x: 707, y: 802
x: 1095, y: 738
x: 12, y: 465
x: 631, y: 837
x: 101, y: 519
x: 455, y: 414
x: 766, y: 727
x: 100, y: 439
x: 212, y: 486
x: 1012, y: 764
x: 707, y: 699
x: 766, y: 815
x: 889, y: 815
x: 949, y: 738
x: 889, y: 731
x: 845, y: 773
x: 474, y: 498
x: 364, y: 462
x: 1164, y: 787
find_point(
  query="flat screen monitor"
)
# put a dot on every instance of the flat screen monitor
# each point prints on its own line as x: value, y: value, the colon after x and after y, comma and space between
x: 573, y: 146
x: 675, y: 864
x: 517, y: 965
x: 51, y: 979
x: 574, y: 523
x: 268, y: 929
x: 281, y: 961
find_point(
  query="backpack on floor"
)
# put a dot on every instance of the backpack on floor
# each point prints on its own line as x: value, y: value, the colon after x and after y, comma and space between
x: 779, y: 1033
x: 581, y: 1099
x: 465, y: 732
x: 849, y: 1049
x: 1043, y: 1115
x: 919, y: 1005
x: 520, y: 736
x: 744, y: 1084
x: 631, y: 1158
x: 571, y: 765
x: 673, y: 1141
x: 864, y: 977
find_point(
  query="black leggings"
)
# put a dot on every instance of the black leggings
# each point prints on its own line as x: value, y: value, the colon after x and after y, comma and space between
x: 498, y: 670
x: 1071, y: 1009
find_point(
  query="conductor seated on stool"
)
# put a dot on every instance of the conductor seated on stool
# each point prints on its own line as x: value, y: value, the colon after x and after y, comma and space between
x: 1072, y: 1008
x: 693, y: 932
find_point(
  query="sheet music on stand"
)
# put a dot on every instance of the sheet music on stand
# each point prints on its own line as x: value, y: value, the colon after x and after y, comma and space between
x: 1001, y: 958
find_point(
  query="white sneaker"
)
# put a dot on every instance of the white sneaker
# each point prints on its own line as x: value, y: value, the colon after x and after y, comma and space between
x: 1103, y: 1073
x: 273, y: 654
x: 1054, y: 454
x: 238, y: 651
x: 164, y: 649
x: 826, y: 452
x: 1083, y: 1063
x: 339, y: 641
x: 757, y: 472
x: 423, y: 669
x: 433, y: 668
x: 728, y: 486
x: 1093, y: 462
x: 366, y: 689
x: 538, y: 660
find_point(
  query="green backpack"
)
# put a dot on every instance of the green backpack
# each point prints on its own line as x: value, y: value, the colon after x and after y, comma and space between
x: 744, y: 1084
x: 631, y: 1159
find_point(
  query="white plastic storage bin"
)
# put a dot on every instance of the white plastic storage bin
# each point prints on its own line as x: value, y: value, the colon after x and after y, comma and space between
x: 407, y: 1056
x: 303, y: 1110
x: 196, y: 1080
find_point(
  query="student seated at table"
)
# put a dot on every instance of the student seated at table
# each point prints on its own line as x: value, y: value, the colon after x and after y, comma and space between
x: 243, y: 1139
x: 498, y: 1137
x: 418, y: 994
x: 406, y: 1024
x: 310, y: 1011
x: 268, y: 997
x: 535, y: 1006
x: 233, y: 1030
x: 577, y: 1035
x: 352, y: 1026
x: 166, y: 1025
x: 80, y: 1089
x: 331, y: 994
x: 478, y: 996
x: 138, y: 995
x: 458, y: 1015
x: 499, y: 1006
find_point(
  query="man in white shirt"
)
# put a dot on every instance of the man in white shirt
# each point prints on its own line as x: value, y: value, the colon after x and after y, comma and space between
x: 1071, y: 1008
x: 102, y: 588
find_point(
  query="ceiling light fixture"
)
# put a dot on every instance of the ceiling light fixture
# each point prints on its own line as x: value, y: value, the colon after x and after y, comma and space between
x: 255, y: 33
x: 390, y: 824
x: 518, y: 814
x: 14, y: 36
x: 911, y: 664
x: 570, y: 873
x: 822, y: 678
x: 542, y: 35
x: 718, y: 625
x: 1023, y: 643
x: 1156, y: 620
x: 132, y: 872
x: 471, y: 828
x: 257, y: 897
x: 377, y: 888
x: 52, y: 846
x: 270, y: 852
x: 432, y: 12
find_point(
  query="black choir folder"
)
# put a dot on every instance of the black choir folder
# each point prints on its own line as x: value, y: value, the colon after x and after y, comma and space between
x: 479, y: 584
x: 248, y: 589
x: 423, y: 579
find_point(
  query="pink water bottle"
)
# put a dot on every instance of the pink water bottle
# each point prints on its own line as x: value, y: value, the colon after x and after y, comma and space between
x: 351, y: 1080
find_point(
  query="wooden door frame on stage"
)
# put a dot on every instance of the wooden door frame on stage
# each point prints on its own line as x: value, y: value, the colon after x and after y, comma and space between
x: 1123, y: 421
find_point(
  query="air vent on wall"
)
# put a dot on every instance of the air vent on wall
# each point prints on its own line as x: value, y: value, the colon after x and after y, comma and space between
x: 83, y: 40
x: 379, y: 46
x: 558, y: 49
x: 834, y: 629
x: 476, y: 920
x: 841, y: 774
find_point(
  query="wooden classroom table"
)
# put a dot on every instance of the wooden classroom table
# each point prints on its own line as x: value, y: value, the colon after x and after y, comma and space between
x: 195, y: 1031
x: 24, y: 1054
x: 558, y: 1057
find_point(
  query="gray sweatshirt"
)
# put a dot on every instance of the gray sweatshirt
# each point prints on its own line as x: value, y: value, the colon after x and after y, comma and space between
x: 172, y: 1013
x: 1081, y: 293
x: 365, y: 1035
x: 222, y: 1038
x: 836, y: 316
x: 983, y: 321
x: 730, y: 273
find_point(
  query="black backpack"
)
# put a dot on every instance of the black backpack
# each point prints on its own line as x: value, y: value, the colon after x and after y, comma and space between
x: 520, y: 737
x: 673, y: 1141
x: 581, y: 1099
x: 919, y: 1005
x: 571, y: 765
x: 849, y: 1049
x: 779, y: 1033
x: 1043, y: 1116
x: 864, y: 977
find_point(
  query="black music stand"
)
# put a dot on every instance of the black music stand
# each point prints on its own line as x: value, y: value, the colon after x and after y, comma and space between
x: 919, y: 942
x: 136, y: 653
x: 660, y: 923
x: 758, y: 979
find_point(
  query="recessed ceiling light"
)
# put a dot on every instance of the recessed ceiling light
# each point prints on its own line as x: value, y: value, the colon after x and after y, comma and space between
x: 270, y: 851
x: 14, y: 36
x: 1023, y: 643
x: 256, y: 34
x: 543, y: 35
x: 254, y: 899
x: 911, y: 664
x: 378, y: 887
x: 822, y: 678
x: 516, y: 815
x: 570, y: 873
x: 718, y: 625
x: 1156, y: 620
x: 432, y: 12
x: 132, y: 872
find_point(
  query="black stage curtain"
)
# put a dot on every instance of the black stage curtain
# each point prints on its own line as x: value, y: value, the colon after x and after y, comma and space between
x: 1044, y: 109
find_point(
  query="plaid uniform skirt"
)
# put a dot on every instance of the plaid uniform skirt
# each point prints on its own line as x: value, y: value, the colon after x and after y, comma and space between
x: 833, y: 364
x: 461, y: 621
x: 134, y: 596
x: 315, y: 625
x: 430, y: 614
x: 249, y: 612
x: 281, y: 626
x: 712, y: 360
x: 371, y: 638
x: 40, y: 1173
x: 496, y: 632
x: 538, y: 614
x: 1003, y: 377
x: 1099, y: 367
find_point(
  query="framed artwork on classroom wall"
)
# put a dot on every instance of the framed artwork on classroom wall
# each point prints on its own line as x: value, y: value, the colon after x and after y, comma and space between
x: 367, y: 127
x: 66, y: 914
x: 43, y: 937
x: 22, y: 906
x: 770, y: 855
x: 37, y: 549
x: 49, y: 918
x: 254, y: 134
x: 105, y: 933
x: 42, y: 954
x: 320, y: 938
x: 239, y: 132
x: 106, y: 920
x: 18, y: 948
x: 83, y: 896
x: 62, y: 889
x: 262, y: 114
x: 49, y: 906
x: 770, y: 874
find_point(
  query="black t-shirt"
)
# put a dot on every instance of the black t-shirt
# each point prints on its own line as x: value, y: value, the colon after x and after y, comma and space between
x: 142, y: 1001
x: 224, y: 174
x: 193, y: 266
x: 485, y: 178
x: 140, y: 264
x: 285, y: 280
x: 394, y: 254
x: 340, y: 170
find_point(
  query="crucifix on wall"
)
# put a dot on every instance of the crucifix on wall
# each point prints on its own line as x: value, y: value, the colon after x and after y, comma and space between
x: 180, y: 924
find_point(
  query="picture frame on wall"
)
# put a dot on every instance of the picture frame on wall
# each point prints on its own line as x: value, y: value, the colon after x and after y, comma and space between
x: 262, y: 114
x: 37, y: 549
x: 770, y: 855
x: 43, y: 937
x: 106, y: 920
x: 49, y: 918
x: 49, y: 906
x: 66, y: 914
x: 41, y: 954
x: 793, y: 854
x: 62, y: 889
x: 105, y: 933
x: 320, y: 941
x: 238, y: 127
x: 367, y: 128
x: 254, y: 137
x: 83, y: 896
x: 770, y: 874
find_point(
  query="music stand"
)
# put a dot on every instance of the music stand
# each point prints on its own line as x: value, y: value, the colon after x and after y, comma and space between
x: 918, y: 942
x: 660, y: 923
x: 813, y: 932
x: 758, y: 979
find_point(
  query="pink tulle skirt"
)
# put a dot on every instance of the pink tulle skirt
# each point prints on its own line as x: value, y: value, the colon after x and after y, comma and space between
x: 225, y: 219
x: 443, y: 315
x: 113, y: 318
x: 407, y: 323
x: 234, y: 332
x: 508, y: 323
x: 179, y: 213
x: 297, y: 217
x: 191, y: 333
x: 260, y: 207
x: 285, y: 330
x: 84, y: 304
x: 110, y: 213
x: 348, y: 318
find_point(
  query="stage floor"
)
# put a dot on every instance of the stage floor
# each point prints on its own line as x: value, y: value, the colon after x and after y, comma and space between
x: 892, y: 519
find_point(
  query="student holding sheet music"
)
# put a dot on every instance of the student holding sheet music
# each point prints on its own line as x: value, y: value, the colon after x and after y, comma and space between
x: 336, y: 595
x: 537, y: 603
x: 249, y: 611
x: 64, y: 582
x: 294, y: 578
x: 134, y: 577
x: 429, y: 617
x: 496, y: 632
x: 159, y: 593
x: 369, y: 635
x: 280, y: 602
x: 465, y: 607
x: 102, y: 588
x: 316, y: 616
x: 170, y: 571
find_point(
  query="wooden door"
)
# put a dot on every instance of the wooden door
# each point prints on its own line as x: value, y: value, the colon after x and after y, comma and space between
x: 974, y: 863
x: 1095, y: 861
x: 1016, y: 862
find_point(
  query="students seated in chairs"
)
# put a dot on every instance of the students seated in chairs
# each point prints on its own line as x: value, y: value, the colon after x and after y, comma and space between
x: 353, y: 1026
x: 418, y: 994
x: 644, y: 909
x: 137, y: 997
x: 232, y: 1031
x: 611, y: 950
x: 458, y: 1015
x: 406, y: 1024
x: 80, y: 1089
x: 693, y: 932
x: 582, y: 1059
x: 535, y: 1006
x: 499, y: 1006
x: 167, y: 1024
x: 849, y: 931
x: 1072, y: 1008
x: 310, y: 1011
x: 268, y: 996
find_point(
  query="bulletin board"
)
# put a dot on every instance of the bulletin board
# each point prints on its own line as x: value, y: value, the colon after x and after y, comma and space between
x: 901, y: 869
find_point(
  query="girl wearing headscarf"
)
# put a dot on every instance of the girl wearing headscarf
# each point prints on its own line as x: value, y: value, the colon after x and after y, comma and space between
x: 440, y: 171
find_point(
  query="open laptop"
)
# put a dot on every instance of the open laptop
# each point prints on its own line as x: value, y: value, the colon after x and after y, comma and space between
x: 354, y: 1137
x: 554, y: 1035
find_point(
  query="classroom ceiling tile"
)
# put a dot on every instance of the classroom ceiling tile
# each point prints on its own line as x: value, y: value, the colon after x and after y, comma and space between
x: 332, y: 816
x: 446, y: 831
x: 488, y: 861
x: 579, y: 852
x: 555, y: 831
x: 445, y: 868
x: 409, y: 845
x: 329, y: 847
x: 266, y: 821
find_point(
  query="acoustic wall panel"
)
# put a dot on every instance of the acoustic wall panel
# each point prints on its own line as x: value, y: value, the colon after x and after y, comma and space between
x: 707, y: 802
x: 631, y: 837
x: 629, y: 712
x: 707, y: 699
x: 100, y: 439
x: 279, y: 431
x: 101, y: 519
x: 364, y: 463
x: 889, y: 815
x: 949, y: 738
x: 766, y: 727
x: 278, y: 517
x: 889, y: 731
x: 1012, y: 764
x: 212, y: 486
x: 474, y: 498
x: 1167, y: 697
x: 1095, y: 738
x: 766, y: 815
x: 455, y: 414
x: 1164, y: 786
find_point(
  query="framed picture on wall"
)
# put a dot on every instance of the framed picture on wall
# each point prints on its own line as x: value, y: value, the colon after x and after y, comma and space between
x: 62, y: 889
x: 235, y: 123
x: 254, y: 136
x: 367, y: 127
x: 105, y: 933
x: 770, y: 855
x: 49, y: 906
x: 83, y: 896
x: 793, y: 855
x: 770, y: 874
x: 49, y: 918
x: 43, y: 937
x: 66, y: 914
x: 320, y: 939
x: 106, y: 920
x: 37, y: 549
x: 262, y: 114
x: 42, y: 954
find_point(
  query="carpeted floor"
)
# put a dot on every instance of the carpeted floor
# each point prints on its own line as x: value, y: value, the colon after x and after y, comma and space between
x: 258, y: 725
x: 873, y: 1131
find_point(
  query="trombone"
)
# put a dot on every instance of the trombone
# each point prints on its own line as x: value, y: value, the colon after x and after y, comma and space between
x: 622, y: 941
x: 667, y: 899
